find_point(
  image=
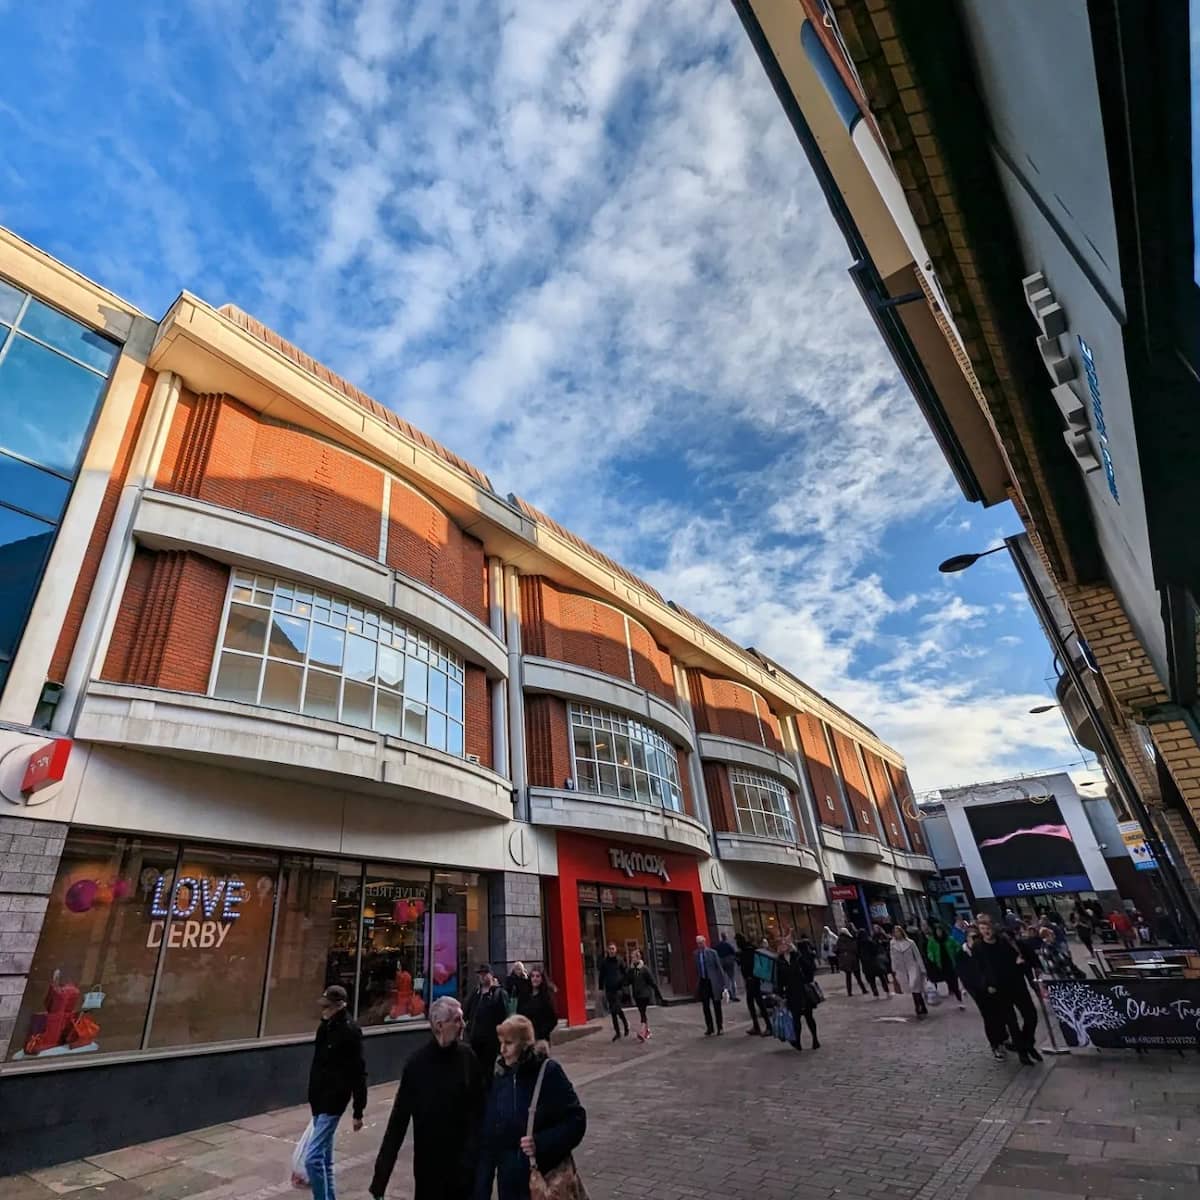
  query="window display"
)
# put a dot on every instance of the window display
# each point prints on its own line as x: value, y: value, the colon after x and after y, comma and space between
x: 147, y: 944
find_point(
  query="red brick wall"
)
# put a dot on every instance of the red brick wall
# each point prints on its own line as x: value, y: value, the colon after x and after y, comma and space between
x: 683, y: 759
x: 820, y: 771
x: 889, y: 814
x: 720, y: 797
x: 651, y: 664
x: 224, y: 452
x: 569, y: 627
x: 167, y: 626
x: 727, y: 709
x: 546, y: 741
x: 426, y: 544
x: 86, y: 578
x: 904, y: 793
x: 856, y: 785
x: 477, y: 709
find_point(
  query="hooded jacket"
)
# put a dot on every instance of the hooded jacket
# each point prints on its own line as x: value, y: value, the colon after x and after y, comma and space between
x: 559, y: 1125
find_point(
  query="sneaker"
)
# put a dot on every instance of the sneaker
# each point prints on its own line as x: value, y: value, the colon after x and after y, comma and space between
x: 816, y: 1045
x: 998, y: 1053
x: 708, y: 1033
x: 616, y: 1037
x: 1035, y: 1054
x: 641, y: 1037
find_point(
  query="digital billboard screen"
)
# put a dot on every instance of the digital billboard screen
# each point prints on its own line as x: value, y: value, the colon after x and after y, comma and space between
x: 1026, y: 848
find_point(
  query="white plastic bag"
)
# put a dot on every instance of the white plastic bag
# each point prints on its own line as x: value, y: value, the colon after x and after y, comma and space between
x: 932, y: 996
x: 299, y: 1155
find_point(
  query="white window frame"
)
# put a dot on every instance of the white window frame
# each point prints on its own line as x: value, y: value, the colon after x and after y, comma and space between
x: 775, y: 822
x: 618, y: 724
x: 417, y: 646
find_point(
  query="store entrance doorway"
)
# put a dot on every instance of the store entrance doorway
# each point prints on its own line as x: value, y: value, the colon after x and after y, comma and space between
x: 632, y: 919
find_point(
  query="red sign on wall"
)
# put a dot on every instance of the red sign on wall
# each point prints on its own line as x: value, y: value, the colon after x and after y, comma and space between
x: 47, y: 765
x: 843, y: 891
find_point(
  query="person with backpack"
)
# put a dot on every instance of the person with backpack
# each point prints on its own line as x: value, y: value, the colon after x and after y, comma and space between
x: 753, y: 988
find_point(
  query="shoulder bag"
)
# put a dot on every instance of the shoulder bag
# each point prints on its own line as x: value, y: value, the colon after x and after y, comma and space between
x: 563, y: 1182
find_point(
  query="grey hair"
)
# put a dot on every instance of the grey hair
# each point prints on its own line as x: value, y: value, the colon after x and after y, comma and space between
x: 442, y: 1009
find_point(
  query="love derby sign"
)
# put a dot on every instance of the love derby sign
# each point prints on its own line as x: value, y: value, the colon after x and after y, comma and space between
x: 1131, y: 1013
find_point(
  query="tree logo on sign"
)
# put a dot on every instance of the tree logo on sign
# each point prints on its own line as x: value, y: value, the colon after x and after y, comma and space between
x: 1081, y: 1008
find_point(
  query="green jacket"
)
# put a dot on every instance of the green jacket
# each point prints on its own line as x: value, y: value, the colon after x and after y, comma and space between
x: 934, y: 953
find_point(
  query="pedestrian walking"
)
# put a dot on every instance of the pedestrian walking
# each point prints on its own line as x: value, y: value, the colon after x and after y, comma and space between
x: 1165, y: 928
x: 1084, y: 929
x: 941, y: 953
x: 645, y: 991
x: 1009, y: 1015
x: 612, y: 983
x: 908, y: 969
x: 883, y: 957
x: 829, y: 949
x: 798, y: 972
x: 442, y: 1093
x: 727, y: 953
x: 486, y: 1008
x: 1012, y: 919
x: 507, y: 1151
x: 1053, y: 960
x: 960, y: 929
x: 1123, y: 927
x: 710, y: 986
x: 1029, y: 944
x: 752, y: 986
x: 868, y: 961
x: 538, y: 1005
x: 517, y: 985
x: 847, y: 952
x: 338, y: 1076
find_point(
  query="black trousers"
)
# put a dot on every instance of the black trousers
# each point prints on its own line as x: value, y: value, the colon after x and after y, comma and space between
x: 754, y: 1001
x: 856, y: 972
x: 919, y: 1005
x: 1009, y: 1016
x: 802, y: 1011
x: 710, y: 1001
x: 642, y: 1005
x: 613, y: 1000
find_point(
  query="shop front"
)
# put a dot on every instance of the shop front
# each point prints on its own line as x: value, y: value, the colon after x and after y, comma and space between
x: 776, y: 920
x: 150, y: 943
x: 637, y: 897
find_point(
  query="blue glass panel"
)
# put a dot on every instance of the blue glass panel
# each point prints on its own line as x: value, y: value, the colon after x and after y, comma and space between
x: 32, y: 489
x: 10, y: 302
x: 845, y: 104
x: 50, y: 326
x: 24, y: 544
x: 46, y: 405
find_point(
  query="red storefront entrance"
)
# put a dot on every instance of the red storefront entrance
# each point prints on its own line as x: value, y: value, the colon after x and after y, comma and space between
x: 603, y: 871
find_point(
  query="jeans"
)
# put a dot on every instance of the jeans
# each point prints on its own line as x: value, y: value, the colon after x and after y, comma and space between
x: 320, y: 1156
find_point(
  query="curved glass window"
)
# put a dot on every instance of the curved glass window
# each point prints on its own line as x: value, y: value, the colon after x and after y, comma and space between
x: 617, y: 756
x: 762, y: 805
x: 288, y: 646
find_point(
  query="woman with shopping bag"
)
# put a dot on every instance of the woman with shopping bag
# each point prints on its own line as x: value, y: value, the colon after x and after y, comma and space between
x: 798, y: 972
x: 908, y: 969
x: 533, y: 1122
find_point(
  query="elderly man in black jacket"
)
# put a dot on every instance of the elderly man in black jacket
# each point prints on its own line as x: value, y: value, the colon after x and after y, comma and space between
x: 338, y: 1075
x: 442, y: 1093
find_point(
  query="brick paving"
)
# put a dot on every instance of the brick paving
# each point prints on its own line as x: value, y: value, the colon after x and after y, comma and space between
x: 887, y: 1109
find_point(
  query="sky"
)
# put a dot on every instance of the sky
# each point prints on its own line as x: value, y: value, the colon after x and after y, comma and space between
x: 580, y: 244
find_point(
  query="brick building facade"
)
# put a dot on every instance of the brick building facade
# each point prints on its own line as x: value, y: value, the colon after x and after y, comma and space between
x: 306, y: 701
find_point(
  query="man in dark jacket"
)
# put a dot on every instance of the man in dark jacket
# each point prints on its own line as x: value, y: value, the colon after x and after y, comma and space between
x: 710, y: 984
x: 613, y: 974
x: 337, y: 1076
x: 485, y: 1010
x: 442, y: 1092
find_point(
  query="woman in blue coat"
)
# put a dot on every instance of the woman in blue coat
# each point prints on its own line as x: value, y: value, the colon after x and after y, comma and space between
x: 559, y: 1124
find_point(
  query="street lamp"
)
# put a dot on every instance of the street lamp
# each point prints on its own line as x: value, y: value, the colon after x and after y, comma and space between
x: 960, y: 562
x: 1042, y: 708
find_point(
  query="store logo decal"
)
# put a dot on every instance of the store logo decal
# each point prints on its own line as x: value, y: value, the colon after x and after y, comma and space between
x: 188, y: 895
x: 633, y: 862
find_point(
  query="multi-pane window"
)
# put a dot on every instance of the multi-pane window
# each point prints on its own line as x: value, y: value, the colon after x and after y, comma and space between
x: 52, y: 375
x: 617, y: 756
x: 289, y: 646
x: 762, y: 805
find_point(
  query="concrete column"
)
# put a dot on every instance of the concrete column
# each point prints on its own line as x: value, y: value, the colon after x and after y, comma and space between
x: 498, y: 688
x: 695, y: 769
x: 101, y: 611
x: 515, y: 915
x: 29, y: 856
x: 519, y: 772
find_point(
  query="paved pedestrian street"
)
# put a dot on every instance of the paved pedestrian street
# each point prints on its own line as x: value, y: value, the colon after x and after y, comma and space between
x: 887, y: 1108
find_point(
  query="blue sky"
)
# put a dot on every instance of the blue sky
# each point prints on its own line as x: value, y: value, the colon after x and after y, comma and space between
x: 580, y: 244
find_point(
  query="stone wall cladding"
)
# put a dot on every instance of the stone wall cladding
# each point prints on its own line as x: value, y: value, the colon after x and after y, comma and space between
x: 29, y: 856
x: 515, y: 916
x: 99, y: 537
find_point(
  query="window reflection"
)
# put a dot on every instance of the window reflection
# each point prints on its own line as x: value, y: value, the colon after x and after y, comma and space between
x: 395, y: 946
x: 617, y: 756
